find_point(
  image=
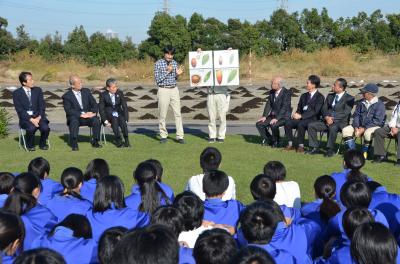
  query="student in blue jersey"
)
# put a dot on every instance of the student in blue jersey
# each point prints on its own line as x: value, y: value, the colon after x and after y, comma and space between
x: 107, y: 243
x: 23, y: 202
x: 151, y: 195
x: 12, y: 234
x: 353, y: 194
x: 109, y: 208
x: 352, y: 218
x: 373, y: 243
x: 214, y: 246
x: 6, y: 185
x: 353, y: 161
x: 41, y: 168
x: 172, y: 218
x: 150, y: 245
x: 95, y: 170
x: 252, y: 255
x: 40, y: 255
x: 69, y: 201
x: 159, y: 169
x: 262, y: 187
x: 263, y: 226
x: 72, y: 238
x: 215, y: 183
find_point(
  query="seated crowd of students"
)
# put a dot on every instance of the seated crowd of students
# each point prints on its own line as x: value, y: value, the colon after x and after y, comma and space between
x: 86, y: 218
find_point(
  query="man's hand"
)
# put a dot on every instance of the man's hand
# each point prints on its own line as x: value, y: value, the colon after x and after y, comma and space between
x: 107, y: 124
x: 359, y: 131
x: 273, y: 121
x: 34, y: 121
x: 296, y: 116
x: 394, y: 131
x: 179, y: 71
x: 170, y: 68
x: 262, y: 119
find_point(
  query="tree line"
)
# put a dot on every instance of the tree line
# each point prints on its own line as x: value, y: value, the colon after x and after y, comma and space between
x: 308, y: 30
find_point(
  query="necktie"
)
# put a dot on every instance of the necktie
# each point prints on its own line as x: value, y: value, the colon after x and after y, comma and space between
x: 336, y: 99
x: 29, y: 95
x: 79, y: 97
x: 308, y: 97
x: 113, y: 99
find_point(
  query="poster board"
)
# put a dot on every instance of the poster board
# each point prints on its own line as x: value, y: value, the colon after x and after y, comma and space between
x: 214, y: 68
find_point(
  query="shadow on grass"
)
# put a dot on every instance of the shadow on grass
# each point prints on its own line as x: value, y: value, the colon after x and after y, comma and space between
x: 153, y: 134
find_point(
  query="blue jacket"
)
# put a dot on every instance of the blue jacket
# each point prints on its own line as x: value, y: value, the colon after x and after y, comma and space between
x: 186, y: 256
x: 49, y: 189
x: 135, y: 199
x: 3, y: 198
x: 374, y: 116
x: 88, y: 189
x: 222, y: 212
x: 37, y: 221
x: 290, y: 212
x: 279, y: 255
x: 340, y: 255
x: 73, y: 249
x: 125, y: 217
x: 62, y: 206
x: 5, y: 259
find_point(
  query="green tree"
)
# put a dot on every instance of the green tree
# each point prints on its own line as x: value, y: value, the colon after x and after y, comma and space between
x: 77, y: 43
x: 7, y: 42
x: 51, y: 47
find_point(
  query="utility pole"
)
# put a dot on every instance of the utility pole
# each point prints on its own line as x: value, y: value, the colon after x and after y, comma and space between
x: 166, y: 7
x: 284, y: 4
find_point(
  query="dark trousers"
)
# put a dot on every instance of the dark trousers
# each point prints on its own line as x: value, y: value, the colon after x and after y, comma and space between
x: 119, y: 122
x: 379, y: 141
x: 319, y: 126
x: 75, y: 123
x: 264, y: 126
x: 31, y: 130
x: 301, y: 126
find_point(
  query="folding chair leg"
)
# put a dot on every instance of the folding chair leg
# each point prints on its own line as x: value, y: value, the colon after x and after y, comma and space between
x: 22, y: 136
x: 103, y: 135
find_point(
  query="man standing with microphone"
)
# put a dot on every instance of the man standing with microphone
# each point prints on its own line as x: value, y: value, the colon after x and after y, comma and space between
x: 166, y: 72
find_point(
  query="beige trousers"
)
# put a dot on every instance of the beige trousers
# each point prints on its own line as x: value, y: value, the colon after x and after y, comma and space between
x: 217, y: 106
x: 348, y: 131
x: 169, y: 97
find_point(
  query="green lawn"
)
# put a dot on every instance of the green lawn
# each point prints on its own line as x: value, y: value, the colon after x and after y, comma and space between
x: 243, y: 158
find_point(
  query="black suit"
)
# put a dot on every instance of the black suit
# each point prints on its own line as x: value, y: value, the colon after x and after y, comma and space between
x: 73, y: 112
x: 107, y: 108
x: 341, y: 113
x: 276, y: 107
x: 38, y: 107
x: 310, y: 111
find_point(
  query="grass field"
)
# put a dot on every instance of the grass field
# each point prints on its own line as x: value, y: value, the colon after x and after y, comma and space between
x: 243, y: 158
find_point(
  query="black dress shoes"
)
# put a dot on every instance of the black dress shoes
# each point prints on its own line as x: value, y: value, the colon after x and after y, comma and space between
x: 329, y: 153
x: 44, y: 147
x: 31, y: 148
x: 75, y: 148
x: 379, y: 159
x: 96, y: 144
x: 312, y: 151
x: 397, y: 164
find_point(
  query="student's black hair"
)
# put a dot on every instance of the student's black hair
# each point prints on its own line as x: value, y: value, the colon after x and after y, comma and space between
x: 192, y: 209
x: 40, y: 255
x: 11, y: 229
x: 6, y: 182
x: 354, y: 217
x: 169, y: 217
x: 354, y: 160
x: 277, y: 209
x: 23, y: 77
x: 215, y: 183
x: 79, y: 224
x: 355, y: 194
x: 263, y: 187
x: 96, y: 169
x: 314, y: 79
x: 252, y: 255
x: 210, y: 159
x: 21, y: 200
x: 169, y: 49
x: 342, y: 83
x: 70, y: 179
x: 145, y: 176
x: 325, y: 189
x: 373, y: 185
x: 159, y: 168
x: 276, y: 170
x: 109, y: 191
x: 259, y: 222
x: 154, y: 244
x: 373, y: 243
x: 215, y: 246
x: 107, y: 243
x: 40, y: 167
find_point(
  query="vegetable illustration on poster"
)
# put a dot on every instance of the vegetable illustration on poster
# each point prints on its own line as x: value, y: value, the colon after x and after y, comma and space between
x: 208, y: 68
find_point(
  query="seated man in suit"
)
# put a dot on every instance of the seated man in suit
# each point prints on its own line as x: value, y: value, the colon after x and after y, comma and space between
x: 336, y: 115
x: 308, y: 110
x: 368, y: 117
x: 81, y: 110
x: 391, y: 130
x: 30, y: 107
x: 114, y: 111
x: 276, y: 112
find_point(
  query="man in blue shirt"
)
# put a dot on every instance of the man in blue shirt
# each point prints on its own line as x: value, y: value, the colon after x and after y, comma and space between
x: 166, y: 72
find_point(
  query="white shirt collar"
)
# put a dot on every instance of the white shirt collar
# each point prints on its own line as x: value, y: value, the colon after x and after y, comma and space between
x: 313, y: 92
x: 278, y: 92
x: 27, y: 89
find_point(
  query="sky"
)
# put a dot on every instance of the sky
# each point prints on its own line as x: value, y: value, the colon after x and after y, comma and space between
x: 133, y: 17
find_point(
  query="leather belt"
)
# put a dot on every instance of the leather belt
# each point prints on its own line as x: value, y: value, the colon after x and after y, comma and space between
x: 168, y: 87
